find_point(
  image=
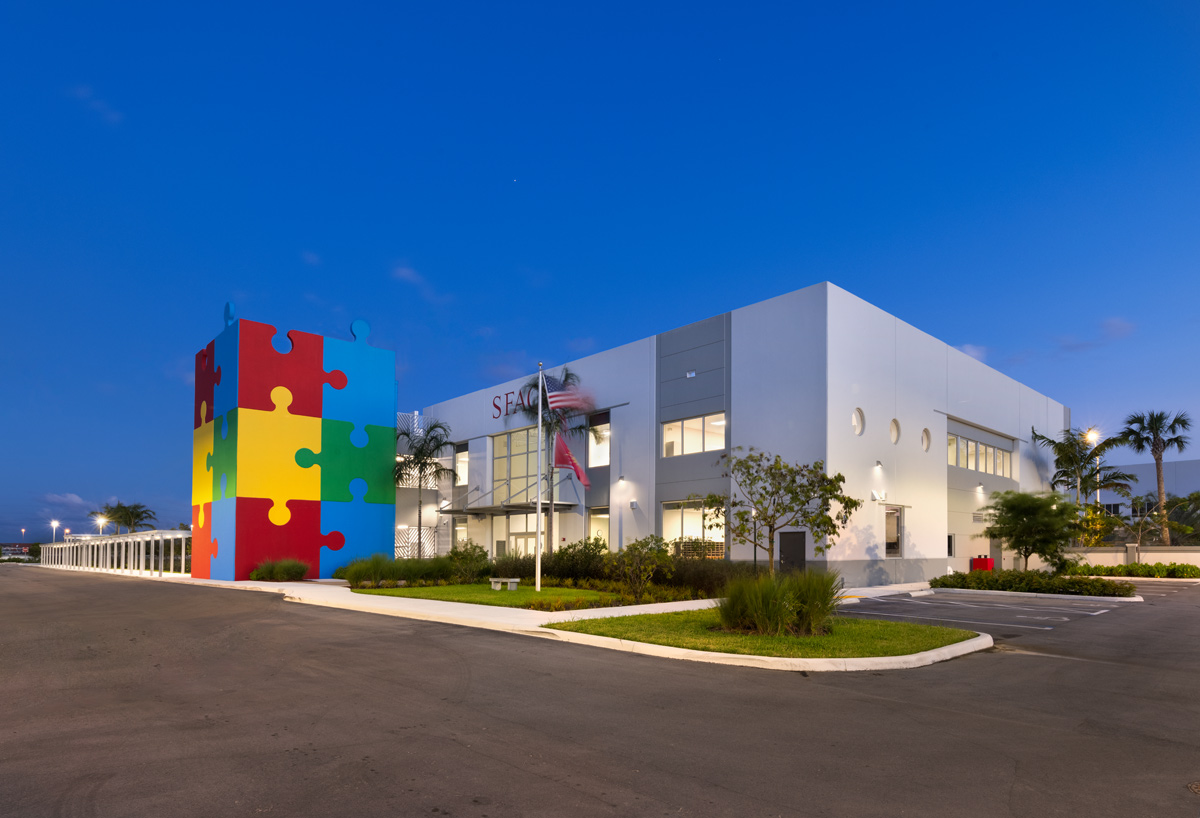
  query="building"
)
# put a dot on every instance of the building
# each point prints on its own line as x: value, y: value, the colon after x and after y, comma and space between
x: 922, y: 432
x: 1180, y: 478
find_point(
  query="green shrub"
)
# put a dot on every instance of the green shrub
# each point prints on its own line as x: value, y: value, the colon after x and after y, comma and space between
x: 280, y: 571
x: 1173, y: 570
x: 583, y: 559
x: 513, y: 566
x: 468, y: 562
x: 635, y: 565
x: 428, y: 569
x: 705, y: 578
x: 340, y: 572
x: 801, y: 603
x: 373, y: 570
x: 1037, y: 582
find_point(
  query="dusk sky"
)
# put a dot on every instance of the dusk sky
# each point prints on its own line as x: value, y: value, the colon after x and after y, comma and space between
x: 492, y: 184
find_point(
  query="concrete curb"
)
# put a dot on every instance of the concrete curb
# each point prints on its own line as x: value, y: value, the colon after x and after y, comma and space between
x: 1191, y: 580
x: 981, y: 641
x: 1043, y: 596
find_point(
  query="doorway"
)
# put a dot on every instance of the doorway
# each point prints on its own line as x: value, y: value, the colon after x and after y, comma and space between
x: 793, y: 547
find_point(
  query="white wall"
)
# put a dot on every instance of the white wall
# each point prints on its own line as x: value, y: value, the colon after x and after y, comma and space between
x: 890, y: 369
x: 778, y: 379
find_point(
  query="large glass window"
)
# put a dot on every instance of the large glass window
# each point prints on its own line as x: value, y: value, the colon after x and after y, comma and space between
x: 514, y: 466
x: 952, y: 450
x: 598, y: 448
x: 688, y: 520
x: 693, y: 435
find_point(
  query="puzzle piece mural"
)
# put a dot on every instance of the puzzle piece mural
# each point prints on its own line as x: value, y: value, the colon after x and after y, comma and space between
x: 292, y: 452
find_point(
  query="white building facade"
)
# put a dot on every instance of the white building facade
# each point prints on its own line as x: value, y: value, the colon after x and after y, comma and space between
x: 921, y: 431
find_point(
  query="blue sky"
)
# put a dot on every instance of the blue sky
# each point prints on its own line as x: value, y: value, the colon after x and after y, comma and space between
x: 494, y: 184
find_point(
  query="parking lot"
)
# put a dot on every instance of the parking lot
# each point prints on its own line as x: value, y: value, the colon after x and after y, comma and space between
x: 131, y: 697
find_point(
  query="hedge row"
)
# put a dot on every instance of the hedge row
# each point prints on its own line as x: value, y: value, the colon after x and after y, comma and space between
x: 1173, y: 570
x: 1037, y: 582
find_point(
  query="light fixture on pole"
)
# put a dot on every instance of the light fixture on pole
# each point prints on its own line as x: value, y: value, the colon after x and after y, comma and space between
x: 54, y: 530
x: 1093, y: 437
x: 100, y: 523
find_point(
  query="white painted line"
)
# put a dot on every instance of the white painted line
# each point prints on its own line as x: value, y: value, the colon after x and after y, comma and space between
x: 964, y: 621
x: 1045, y: 618
x: 1002, y: 607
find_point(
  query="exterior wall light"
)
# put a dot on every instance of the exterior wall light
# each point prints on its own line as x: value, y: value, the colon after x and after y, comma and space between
x: 879, y: 464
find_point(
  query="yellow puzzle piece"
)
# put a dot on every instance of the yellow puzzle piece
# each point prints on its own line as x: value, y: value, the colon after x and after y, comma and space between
x: 266, y: 455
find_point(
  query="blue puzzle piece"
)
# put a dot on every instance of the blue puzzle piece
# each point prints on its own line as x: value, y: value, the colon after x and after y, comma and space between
x: 224, y: 536
x: 367, y: 527
x: 369, y: 396
x: 225, y: 394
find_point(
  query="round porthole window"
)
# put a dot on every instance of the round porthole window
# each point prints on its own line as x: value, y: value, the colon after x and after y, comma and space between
x: 858, y: 421
x: 926, y: 439
x: 895, y: 429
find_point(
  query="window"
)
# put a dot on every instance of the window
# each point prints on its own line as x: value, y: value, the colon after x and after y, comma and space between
x: 461, y: 459
x: 893, y: 530
x: 970, y: 454
x: 858, y: 421
x: 514, y: 467
x: 693, y: 435
x: 894, y: 430
x: 687, y: 520
x: 1113, y: 509
x: 926, y: 440
x: 459, y: 531
x: 949, y: 545
x: 598, y: 449
x: 598, y: 523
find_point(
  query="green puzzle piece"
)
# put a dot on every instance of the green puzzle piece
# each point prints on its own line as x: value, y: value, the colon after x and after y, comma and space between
x: 341, y: 461
x: 223, y: 460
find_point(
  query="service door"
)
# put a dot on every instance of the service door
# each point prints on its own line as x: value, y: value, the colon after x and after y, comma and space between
x: 792, y: 547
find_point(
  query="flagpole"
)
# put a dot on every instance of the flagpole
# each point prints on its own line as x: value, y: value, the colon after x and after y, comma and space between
x: 537, y: 543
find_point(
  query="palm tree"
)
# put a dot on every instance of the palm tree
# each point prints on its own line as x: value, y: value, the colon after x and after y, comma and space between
x: 107, y: 513
x: 134, y: 517
x: 1154, y: 431
x: 424, y: 443
x: 1079, y: 463
x: 566, y: 422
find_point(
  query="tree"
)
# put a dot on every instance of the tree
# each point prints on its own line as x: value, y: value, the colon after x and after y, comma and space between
x: 1032, y: 524
x: 1079, y: 463
x: 771, y: 494
x: 1154, y: 431
x: 1182, y: 517
x: 134, y: 517
x: 107, y: 513
x: 569, y: 422
x: 635, y: 564
x: 420, y: 463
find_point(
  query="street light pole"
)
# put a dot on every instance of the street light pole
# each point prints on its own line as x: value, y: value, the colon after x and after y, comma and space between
x: 53, y: 531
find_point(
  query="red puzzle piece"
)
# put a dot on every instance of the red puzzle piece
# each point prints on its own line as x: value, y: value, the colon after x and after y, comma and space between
x: 207, y: 376
x: 301, y: 539
x: 302, y: 370
x: 202, y: 544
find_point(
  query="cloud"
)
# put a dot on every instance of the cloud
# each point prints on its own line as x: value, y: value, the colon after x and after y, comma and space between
x: 410, y: 276
x: 1115, y: 329
x: 310, y: 258
x: 89, y: 100
x: 67, y: 501
x: 1110, y: 329
x: 979, y: 353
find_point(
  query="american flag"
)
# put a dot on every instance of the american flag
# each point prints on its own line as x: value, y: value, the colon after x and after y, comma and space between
x: 560, y: 396
x: 563, y: 459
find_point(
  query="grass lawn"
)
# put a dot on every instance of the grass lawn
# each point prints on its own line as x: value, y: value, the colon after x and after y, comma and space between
x: 851, y: 637
x: 482, y: 594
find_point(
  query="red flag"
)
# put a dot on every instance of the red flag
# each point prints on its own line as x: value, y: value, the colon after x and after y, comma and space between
x: 563, y: 459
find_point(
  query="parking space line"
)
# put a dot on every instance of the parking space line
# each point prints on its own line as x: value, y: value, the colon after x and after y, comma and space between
x: 962, y: 621
x: 1000, y: 606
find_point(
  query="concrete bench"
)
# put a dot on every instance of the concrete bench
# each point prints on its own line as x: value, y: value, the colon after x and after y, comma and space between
x: 498, y: 583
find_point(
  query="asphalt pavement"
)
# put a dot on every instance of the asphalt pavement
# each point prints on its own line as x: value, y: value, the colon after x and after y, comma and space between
x: 124, y: 697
